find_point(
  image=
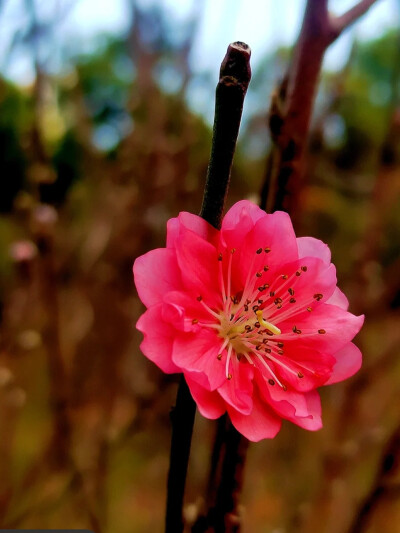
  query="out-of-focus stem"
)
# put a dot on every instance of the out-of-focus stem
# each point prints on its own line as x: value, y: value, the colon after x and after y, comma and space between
x: 234, y: 79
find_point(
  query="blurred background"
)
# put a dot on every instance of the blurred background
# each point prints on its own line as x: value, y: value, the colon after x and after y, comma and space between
x: 105, y: 128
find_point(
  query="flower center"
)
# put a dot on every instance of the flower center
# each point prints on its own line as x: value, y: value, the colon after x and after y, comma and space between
x: 246, y: 323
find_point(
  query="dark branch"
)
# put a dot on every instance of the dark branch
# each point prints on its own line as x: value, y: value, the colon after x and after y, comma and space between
x: 182, y: 419
x: 234, y: 79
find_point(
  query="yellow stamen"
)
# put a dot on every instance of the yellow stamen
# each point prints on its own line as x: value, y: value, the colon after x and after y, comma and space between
x: 273, y: 329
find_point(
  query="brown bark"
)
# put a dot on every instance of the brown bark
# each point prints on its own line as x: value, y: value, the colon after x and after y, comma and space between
x: 291, y: 109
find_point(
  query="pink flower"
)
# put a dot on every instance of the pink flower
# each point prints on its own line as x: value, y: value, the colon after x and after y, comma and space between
x: 251, y: 315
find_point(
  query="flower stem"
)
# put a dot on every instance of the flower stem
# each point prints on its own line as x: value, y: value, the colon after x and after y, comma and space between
x: 234, y: 79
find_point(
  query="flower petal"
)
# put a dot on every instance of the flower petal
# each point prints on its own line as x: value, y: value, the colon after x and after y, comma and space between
x: 193, y: 223
x: 303, y: 409
x: 237, y: 392
x: 239, y: 212
x: 338, y: 298
x: 198, y: 263
x: 311, y: 247
x: 156, y: 273
x: 348, y: 362
x: 158, y: 339
x: 209, y: 403
x: 181, y: 311
x: 261, y: 423
x: 337, y: 327
x: 197, y: 353
x: 267, y: 237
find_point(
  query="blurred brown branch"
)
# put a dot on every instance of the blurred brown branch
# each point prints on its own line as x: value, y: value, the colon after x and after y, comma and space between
x: 292, y: 106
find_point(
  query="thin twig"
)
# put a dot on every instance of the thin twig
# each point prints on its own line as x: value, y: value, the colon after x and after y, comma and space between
x: 342, y: 22
x: 231, y: 89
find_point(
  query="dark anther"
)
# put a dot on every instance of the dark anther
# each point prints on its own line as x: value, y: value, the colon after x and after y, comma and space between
x: 258, y: 347
x: 259, y: 251
x: 233, y: 250
x: 199, y: 298
x: 271, y: 382
x: 285, y: 276
x: 267, y: 250
x: 272, y: 293
x: 220, y: 257
x: 304, y: 268
x: 257, y: 324
x: 259, y: 274
x: 266, y: 268
x: 260, y: 301
x: 219, y: 356
x: 292, y: 300
x: 280, y: 344
x: 309, y: 309
x: 194, y: 321
x: 300, y: 375
x: 298, y: 273
x: 321, y: 331
x: 318, y: 296
x: 232, y: 315
x: 246, y: 307
x: 284, y: 387
x: 291, y: 291
x: 255, y: 308
x: 268, y: 350
x: 296, y: 330
x: 280, y: 352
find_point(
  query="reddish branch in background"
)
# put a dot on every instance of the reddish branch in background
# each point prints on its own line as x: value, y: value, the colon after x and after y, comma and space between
x: 292, y: 105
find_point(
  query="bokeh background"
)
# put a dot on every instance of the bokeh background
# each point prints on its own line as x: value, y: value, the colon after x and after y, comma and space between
x: 105, y: 127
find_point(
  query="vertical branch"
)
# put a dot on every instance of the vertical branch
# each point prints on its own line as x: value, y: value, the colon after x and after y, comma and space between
x: 290, y: 114
x: 227, y: 513
x: 234, y: 79
x: 44, y: 220
x: 231, y: 89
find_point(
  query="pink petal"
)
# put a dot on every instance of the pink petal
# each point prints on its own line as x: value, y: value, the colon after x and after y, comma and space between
x: 338, y: 298
x: 340, y: 328
x: 310, y: 247
x: 319, y: 278
x: 193, y: 223
x: 197, y: 353
x: 156, y: 273
x: 261, y: 423
x: 237, y: 392
x: 198, y: 263
x: 303, y: 409
x: 239, y: 212
x: 181, y: 309
x: 158, y: 339
x: 209, y: 403
x: 348, y: 362
x: 273, y: 233
x: 314, y: 367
